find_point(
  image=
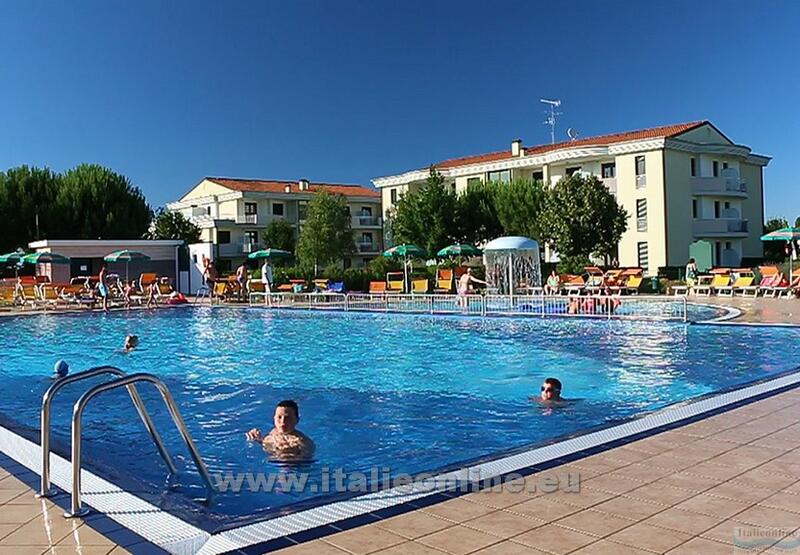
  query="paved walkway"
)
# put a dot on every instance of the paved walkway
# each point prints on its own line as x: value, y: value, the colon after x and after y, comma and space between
x: 689, y: 490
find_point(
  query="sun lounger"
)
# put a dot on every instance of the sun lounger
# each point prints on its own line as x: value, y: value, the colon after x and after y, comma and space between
x: 786, y: 290
x: 720, y: 282
x: 146, y: 280
x: 703, y: 286
x: 419, y: 286
x: 745, y: 278
x: 771, y: 289
x: 336, y: 287
x: 573, y: 285
x: 320, y: 285
x: 377, y: 287
x: 595, y: 281
x: 8, y: 296
x: 395, y: 282
x: 444, y: 281
x: 221, y: 291
x: 633, y: 284
x: 48, y: 297
x: 27, y: 295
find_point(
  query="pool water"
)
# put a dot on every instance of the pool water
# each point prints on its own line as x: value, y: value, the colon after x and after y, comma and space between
x: 410, y: 392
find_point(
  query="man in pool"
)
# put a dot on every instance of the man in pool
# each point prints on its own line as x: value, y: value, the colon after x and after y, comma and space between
x: 285, y: 441
x: 551, y: 392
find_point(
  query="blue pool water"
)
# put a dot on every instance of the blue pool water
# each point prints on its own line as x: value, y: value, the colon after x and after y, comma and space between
x: 414, y: 393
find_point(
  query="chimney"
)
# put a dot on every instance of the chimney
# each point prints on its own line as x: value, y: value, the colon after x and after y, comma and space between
x: 303, y: 184
x: 516, y: 148
x: 287, y: 188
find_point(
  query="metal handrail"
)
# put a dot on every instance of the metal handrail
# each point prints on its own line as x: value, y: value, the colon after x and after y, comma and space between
x: 76, y: 509
x: 47, y: 399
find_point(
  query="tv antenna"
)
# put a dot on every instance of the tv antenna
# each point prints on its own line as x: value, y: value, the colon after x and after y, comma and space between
x: 551, y: 116
x: 572, y: 133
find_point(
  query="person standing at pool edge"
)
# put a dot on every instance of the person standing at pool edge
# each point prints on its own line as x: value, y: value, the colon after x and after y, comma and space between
x: 102, y: 286
x: 285, y: 441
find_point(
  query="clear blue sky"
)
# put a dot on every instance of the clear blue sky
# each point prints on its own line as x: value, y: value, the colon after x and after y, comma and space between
x: 168, y: 92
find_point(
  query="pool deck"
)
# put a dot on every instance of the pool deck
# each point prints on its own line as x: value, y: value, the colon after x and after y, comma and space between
x: 693, y: 489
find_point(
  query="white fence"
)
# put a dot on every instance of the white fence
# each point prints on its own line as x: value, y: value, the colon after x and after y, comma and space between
x: 637, y: 307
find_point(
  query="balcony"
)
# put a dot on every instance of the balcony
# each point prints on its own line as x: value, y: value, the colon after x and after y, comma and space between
x: 718, y: 186
x: 611, y: 184
x: 719, y: 228
x: 366, y: 221
x: 250, y: 219
x: 367, y: 247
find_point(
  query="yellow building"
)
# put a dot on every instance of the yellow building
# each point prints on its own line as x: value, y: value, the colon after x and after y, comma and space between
x: 233, y: 214
x: 678, y: 183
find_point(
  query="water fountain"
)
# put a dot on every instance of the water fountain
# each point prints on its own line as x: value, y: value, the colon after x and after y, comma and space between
x: 511, y: 262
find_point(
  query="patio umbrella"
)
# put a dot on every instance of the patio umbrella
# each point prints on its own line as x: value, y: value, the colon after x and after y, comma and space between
x: 125, y: 256
x: 787, y: 234
x: 406, y: 251
x: 269, y: 253
x: 459, y: 249
x: 45, y: 258
x: 14, y: 258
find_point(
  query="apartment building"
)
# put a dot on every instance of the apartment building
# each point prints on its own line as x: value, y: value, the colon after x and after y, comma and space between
x: 679, y: 184
x: 233, y: 214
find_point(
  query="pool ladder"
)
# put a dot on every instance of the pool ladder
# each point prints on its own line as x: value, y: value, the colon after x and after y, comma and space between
x: 121, y: 380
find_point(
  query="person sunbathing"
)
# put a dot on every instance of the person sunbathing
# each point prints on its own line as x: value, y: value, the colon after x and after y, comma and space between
x: 285, y: 441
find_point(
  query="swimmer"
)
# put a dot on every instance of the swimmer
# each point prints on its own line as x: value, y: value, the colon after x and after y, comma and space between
x: 131, y: 342
x: 285, y: 441
x: 551, y: 393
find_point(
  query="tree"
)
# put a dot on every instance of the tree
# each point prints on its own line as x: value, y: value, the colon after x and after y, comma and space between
x: 326, y: 236
x: 583, y: 218
x: 774, y: 250
x: 279, y: 235
x: 27, y: 206
x: 520, y: 207
x: 173, y: 225
x: 477, y: 214
x: 427, y: 217
x: 94, y: 202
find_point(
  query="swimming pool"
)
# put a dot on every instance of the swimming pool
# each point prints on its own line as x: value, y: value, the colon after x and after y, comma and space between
x: 409, y: 392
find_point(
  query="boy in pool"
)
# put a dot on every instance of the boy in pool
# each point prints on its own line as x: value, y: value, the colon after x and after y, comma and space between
x: 551, y: 393
x: 285, y: 441
x: 131, y: 342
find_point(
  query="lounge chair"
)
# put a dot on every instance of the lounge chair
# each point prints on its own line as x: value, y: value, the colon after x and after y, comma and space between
x: 146, y: 280
x: 573, y: 285
x: 165, y: 290
x: 419, y: 286
x: 221, y: 291
x: 703, y: 285
x: 8, y: 296
x: 595, y: 281
x: 26, y: 294
x: 785, y: 290
x: 745, y: 278
x: 720, y: 282
x: 771, y: 289
x: 336, y: 287
x: 47, y: 297
x: 377, y: 287
x: 320, y: 285
x: 444, y: 281
x: 632, y: 284
x: 395, y: 282
x: 754, y: 290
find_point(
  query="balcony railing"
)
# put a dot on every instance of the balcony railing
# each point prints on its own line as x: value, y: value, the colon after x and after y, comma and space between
x: 238, y: 249
x: 611, y: 184
x: 718, y: 186
x: 251, y: 219
x: 367, y: 247
x: 366, y: 221
x: 702, y: 228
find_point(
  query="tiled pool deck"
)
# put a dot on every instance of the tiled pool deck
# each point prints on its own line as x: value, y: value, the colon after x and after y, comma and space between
x: 700, y: 488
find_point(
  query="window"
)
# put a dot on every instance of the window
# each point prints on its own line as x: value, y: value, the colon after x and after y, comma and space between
x: 250, y: 208
x: 608, y: 170
x: 641, y: 214
x: 727, y: 245
x: 366, y: 211
x: 302, y: 210
x: 223, y: 237
x: 643, y: 258
x: 640, y: 169
x: 724, y: 165
x: 251, y: 237
x: 718, y: 253
x: 453, y: 186
x: 727, y: 205
x: 572, y: 171
x: 503, y: 176
x: 393, y: 195
x: 277, y: 209
x: 716, y: 209
x: 715, y: 168
x: 366, y: 238
x: 694, y: 167
x: 472, y: 181
x: 538, y: 176
x: 208, y: 210
x: 695, y: 207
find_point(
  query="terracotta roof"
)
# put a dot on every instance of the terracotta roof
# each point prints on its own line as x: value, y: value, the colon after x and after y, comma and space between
x: 273, y: 186
x: 600, y: 140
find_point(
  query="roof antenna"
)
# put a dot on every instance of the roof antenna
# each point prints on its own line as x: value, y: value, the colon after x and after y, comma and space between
x: 551, y: 116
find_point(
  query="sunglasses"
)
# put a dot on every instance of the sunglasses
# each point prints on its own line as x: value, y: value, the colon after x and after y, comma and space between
x: 549, y: 389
